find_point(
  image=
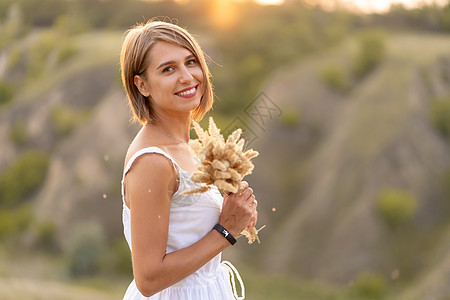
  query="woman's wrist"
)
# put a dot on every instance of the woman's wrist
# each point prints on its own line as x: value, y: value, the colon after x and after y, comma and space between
x: 225, y: 233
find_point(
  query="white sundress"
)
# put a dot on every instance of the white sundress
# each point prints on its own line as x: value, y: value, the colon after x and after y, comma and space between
x: 191, y: 218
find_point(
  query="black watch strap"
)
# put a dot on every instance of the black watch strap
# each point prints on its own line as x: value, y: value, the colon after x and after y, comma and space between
x: 225, y: 233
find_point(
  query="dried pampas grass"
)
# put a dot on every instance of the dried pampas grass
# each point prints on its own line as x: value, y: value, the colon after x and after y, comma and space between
x: 252, y: 234
x: 223, y: 163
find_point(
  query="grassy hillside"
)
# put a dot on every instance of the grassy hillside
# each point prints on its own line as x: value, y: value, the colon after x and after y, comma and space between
x: 349, y: 147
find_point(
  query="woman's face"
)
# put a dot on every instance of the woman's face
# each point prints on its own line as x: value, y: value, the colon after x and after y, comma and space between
x: 174, y: 81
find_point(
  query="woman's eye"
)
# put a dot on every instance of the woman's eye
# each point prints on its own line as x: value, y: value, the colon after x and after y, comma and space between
x: 191, y: 62
x: 167, y: 69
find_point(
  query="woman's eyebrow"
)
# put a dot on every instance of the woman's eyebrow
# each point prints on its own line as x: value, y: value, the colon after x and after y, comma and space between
x: 172, y: 61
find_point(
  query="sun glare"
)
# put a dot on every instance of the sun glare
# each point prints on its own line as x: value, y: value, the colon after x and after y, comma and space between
x: 223, y: 13
x: 270, y: 2
x: 384, y: 5
x: 370, y: 6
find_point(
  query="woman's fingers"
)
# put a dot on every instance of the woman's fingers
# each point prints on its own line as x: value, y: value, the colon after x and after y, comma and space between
x: 225, y: 198
x: 244, y: 185
x: 248, y: 195
x: 253, y: 220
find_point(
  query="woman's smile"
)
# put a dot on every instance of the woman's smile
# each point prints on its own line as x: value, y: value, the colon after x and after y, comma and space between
x: 188, y: 92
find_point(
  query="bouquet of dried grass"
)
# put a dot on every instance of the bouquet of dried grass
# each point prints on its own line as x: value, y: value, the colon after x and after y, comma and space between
x: 223, y: 163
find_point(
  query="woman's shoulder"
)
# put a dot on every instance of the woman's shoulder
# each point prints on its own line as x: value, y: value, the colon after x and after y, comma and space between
x: 141, y: 171
x: 143, y: 144
x: 136, y: 152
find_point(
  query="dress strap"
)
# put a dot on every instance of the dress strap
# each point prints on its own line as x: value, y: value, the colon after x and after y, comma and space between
x: 232, y: 271
x: 145, y: 151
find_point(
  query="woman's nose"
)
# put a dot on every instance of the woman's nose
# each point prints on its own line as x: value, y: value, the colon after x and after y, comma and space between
x: 185, y: 76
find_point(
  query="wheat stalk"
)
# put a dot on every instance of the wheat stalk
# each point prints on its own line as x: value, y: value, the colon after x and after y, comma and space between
x: 223, y: 163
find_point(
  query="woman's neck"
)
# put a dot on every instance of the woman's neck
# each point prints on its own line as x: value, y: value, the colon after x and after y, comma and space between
x: 175, y: 127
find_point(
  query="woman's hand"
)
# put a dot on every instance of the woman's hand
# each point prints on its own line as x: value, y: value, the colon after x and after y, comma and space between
x: 239, y: 210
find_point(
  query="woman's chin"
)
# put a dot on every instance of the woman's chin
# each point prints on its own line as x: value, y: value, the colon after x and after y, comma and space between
x: 186, y: 104
x: 194, y: 104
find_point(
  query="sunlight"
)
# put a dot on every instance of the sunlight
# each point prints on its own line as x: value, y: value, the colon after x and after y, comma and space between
x: 270, y: 2
x: 384, y: 5
x: 370, y: 6
x: 223, y: 13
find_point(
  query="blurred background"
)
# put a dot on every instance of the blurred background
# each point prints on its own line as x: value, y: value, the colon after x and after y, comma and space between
x: 348, y: 103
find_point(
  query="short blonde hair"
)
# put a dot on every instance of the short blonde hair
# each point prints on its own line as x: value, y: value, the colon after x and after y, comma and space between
x: 134, y: 60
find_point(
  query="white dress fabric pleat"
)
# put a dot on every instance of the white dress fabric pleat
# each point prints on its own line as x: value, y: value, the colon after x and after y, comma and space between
x: 191, y: 218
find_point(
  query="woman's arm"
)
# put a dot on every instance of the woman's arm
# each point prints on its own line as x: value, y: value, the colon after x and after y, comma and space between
x: 149, y: 186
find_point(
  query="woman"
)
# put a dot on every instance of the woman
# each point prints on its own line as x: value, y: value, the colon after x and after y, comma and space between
x: 176, y: 240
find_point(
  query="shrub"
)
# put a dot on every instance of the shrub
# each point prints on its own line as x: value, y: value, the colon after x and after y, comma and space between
x: 123, y: 255
x: 118, y: 258
x: 372, y: 48
x: 66, y: 52
x: 13, y: 222
x: 13, y: 27
x: 39, y: 53
x: 446, y: 185
x: 14, y: 57
x: 23, y: 176
x: 396, y: 206
x: 64, y: 120
x: 291, y: 117
x: 67, y: 25
x: 6, y: 92
x: 334, y: 77
x: 85, y: 249
x: 18, y: 133
x: 440, y: 114
x: 6, y: 223
x: 369, y: 285
x: 46, y: 236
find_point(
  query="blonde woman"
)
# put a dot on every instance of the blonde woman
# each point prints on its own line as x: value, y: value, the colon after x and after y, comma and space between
x: 176, y: 240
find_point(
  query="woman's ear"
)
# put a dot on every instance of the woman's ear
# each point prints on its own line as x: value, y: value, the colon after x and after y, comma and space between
x: 142, y: 86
